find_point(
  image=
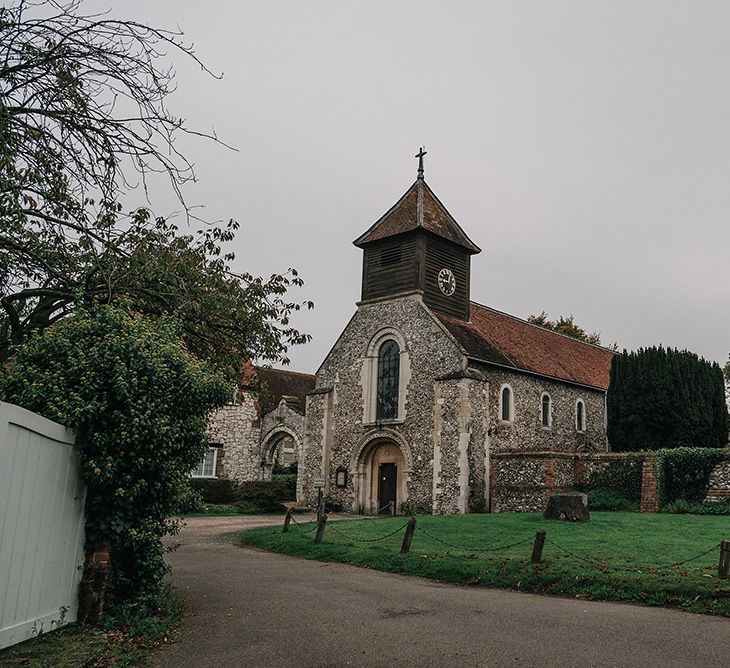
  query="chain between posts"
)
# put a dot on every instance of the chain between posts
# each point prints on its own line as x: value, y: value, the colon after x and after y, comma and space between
x: 367, y: 540
x: 540, y: 539
x: 469, y: 548
x: 299, y: 526
x: 630, y: 569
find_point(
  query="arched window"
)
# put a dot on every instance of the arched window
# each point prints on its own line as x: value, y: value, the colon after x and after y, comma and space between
x: 506, y: 404
x: 546, y: 412
x: 580, y: 416
x: 388, y: 374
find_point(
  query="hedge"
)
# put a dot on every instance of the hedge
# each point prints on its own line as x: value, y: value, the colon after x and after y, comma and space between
x: 619, y: 476
x: 215, y: 490
x: 289, y: 480
x: 685, y: 472
x: 265, y: 495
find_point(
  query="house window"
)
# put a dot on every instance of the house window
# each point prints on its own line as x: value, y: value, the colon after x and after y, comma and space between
x: 580, y: 415
x: 546, y: 411
x: 506, y: 408
x: 206, y: 468
x: 388, y: 375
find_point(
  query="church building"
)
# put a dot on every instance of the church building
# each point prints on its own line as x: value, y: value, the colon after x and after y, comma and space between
x: 425, y: 389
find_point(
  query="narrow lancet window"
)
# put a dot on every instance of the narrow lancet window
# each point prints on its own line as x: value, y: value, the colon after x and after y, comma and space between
x: 388, y: 376
x: 506, y: 404
x: 545, y: 410
x: 580, y: 416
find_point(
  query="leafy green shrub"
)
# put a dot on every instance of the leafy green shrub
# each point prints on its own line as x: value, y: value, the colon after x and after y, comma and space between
x: 248, y: 508
x: 685, y: 472
x: 266, y: 495
x: 606, y: 499
x: 289, y: 480
x: 414, y: 508
x: 331, y: 504
x: 189, y: 501
x: 139, y: 404
x: 282, y: 469
x: 682, y: 507
x: 215, y: 490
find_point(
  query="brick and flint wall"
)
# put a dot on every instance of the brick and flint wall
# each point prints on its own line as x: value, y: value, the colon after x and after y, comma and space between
x: 524, y: 481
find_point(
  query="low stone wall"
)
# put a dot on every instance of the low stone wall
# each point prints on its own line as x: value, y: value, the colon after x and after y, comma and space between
x: 524, y: 481
x: 719, y: 483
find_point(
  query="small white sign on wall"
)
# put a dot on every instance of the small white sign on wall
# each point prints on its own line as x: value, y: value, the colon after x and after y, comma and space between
x: 318, y: 481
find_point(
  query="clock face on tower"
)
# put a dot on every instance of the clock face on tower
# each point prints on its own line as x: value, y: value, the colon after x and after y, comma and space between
x: 447, y: 282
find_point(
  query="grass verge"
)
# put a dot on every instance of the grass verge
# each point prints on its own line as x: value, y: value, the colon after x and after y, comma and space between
x: 631, y: 554
x: 116, y: 646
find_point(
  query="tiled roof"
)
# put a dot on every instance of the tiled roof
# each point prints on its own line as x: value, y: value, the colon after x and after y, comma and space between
x: 499, y: 338
x: 278, y: 383
x: 418, y: 208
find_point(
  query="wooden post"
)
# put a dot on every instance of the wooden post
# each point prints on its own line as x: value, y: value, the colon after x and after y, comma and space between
x: 724, y: 567
x: 94, y: 584
x: 321, y: 524
x: 320, y: 505
x: 287, y: 521
x: 408, y: 536
x: 537, y: 547
x: 391, y: 504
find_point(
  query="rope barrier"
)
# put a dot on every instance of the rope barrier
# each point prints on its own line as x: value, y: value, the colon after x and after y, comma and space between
x: 367, y: 540
x: 469, y: 548
x: 631, y: 569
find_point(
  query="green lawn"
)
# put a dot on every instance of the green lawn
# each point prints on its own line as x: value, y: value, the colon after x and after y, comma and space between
x: 628, y: 553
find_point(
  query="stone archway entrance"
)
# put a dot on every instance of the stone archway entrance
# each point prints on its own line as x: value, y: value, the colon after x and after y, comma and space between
x: 382, y: 477
x: 280, y: 446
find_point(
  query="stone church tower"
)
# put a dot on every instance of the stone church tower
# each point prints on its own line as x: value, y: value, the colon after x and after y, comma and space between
x: 424, y: 388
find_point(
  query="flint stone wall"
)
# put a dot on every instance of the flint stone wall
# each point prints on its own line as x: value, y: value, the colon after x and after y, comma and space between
x: 429, y: 353
x: 719, y: 482
x: 524, y: 481
x: 525, y: 432
x: 460, y: 440
x: 236, y: 428
x: 282, y: 420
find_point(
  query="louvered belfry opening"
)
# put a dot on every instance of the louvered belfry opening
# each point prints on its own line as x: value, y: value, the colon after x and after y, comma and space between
x: 407, y: 248
x: 388, y: 374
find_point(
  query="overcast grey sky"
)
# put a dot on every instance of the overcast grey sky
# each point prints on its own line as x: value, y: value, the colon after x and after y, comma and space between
x: 585, y: 146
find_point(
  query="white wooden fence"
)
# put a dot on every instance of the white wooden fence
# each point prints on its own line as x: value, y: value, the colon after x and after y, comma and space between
x: 41, y: 525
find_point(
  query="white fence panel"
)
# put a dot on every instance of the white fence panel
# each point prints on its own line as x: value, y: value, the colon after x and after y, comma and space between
x: 41, y: 525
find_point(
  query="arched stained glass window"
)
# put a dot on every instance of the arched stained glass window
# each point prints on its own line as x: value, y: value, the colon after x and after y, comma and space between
x: 388, y: 374
x: 545, y: 410
x: 580, y: 416
x: 506, y: 404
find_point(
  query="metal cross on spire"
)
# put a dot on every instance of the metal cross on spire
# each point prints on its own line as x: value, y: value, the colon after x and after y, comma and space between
x: 420, y: 155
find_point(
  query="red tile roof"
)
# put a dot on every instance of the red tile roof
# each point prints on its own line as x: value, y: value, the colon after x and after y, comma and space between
x: 499, y: 338
x: 278, y: 383
x: 418, y: 208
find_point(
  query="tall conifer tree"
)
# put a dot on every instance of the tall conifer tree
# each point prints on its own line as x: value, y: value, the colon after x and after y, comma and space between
x: 665, y: 398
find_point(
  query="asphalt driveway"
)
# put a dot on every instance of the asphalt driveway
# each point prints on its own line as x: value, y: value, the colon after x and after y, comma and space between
x: 252, y: 608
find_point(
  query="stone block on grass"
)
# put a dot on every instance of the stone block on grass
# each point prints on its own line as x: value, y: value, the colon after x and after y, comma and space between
x: 570, y: 506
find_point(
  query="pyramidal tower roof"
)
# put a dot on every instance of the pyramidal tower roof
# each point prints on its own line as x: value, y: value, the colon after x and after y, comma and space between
x: 417, y: 209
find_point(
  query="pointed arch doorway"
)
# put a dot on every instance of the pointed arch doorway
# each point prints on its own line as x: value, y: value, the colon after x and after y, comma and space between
x: 381, y: 476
